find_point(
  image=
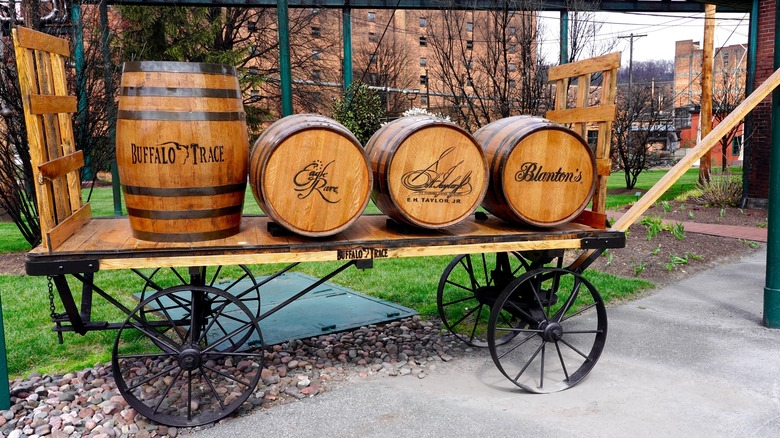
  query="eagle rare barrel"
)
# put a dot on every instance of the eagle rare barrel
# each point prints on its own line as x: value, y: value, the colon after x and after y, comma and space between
x: 428, y: 173
x: 182, y: 150
x: 541, y: 173
x: 310, y: 175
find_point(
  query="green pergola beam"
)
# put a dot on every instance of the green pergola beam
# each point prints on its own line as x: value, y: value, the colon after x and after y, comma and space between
x: 772, y: 288
x: 285, y: 72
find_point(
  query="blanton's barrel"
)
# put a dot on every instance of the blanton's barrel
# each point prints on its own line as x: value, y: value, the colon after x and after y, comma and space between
x: 310, y: 175
x: 182, y: 150
x: 541, y: 173
x: 428, y: 173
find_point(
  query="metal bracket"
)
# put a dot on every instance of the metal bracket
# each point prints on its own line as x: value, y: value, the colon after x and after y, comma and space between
x: 604, y: 242
x: 61, y: 268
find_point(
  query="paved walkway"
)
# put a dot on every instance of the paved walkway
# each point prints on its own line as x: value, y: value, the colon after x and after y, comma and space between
x: 691, y: 360
x: 755, y: 234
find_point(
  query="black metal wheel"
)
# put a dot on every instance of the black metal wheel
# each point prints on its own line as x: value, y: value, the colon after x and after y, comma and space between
x: 183, y: 370
x: 563, y: 332
x: 238, y: 281
x: 469, y: 287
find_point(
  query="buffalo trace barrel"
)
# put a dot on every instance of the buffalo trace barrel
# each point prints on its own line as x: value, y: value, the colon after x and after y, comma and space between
x: 541, y: 173
x: 182, y: 150
x: 310, y: 175
x: 428, y: 173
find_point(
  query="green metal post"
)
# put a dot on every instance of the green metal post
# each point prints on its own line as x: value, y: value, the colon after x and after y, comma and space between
x: 109, y: 84
x: 81, y: 80
x: 5, y: 392
x: 347, y: 31
x: 285, y: 74
x: 564, y: 36
x: 772, y: 288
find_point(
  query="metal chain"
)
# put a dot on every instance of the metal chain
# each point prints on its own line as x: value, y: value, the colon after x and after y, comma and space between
x: 52, y: 309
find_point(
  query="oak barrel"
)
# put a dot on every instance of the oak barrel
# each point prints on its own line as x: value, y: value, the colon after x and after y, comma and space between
x: 428, y: 173
x: 182, y: 150
x: 310, y: 175
x: 541, y: 173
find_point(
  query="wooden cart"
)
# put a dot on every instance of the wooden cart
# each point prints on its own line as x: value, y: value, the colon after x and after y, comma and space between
x: 191, y: 351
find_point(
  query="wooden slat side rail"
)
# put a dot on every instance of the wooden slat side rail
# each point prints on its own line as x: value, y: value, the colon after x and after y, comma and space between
x: 40, y: 60
x: 68, y: 226
x: 603, y: 113
x: 48, y: 104
x: 586, y: 66
x: 30, y: 39
x: 707, y: 143
x: 62, y: 166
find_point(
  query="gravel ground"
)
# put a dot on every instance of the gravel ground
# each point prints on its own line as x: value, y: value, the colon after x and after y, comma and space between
x: 87, y: 403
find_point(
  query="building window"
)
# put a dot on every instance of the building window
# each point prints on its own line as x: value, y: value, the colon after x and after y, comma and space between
x: 512, y: 67
x: 423, y: 21
x: 469, y: 82
x: 725, y: 60
x: 371, y: 59
x: 315, y: 32
x: 469, y: 64
x: 372, y: 37
x: 424, y: 100
x: 373, y: 78
x: 315, y: 54
x: 512, y: 48
x: 423, y: 41
x: 315, y: 11
x: 371, y: 16
x: 512, y: 30
x: 423, y: 62
x: 469, y: 27
x: 593, y: 138
x: 736, y: 146
x: 423, y: 79
x: 512, y: 83
x: 469, y: 45
x: 316, y: 75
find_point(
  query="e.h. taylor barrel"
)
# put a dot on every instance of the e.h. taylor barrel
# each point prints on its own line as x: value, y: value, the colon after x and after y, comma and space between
x: 182, y: 150
x: 310, y: 175
x: 541, y: 173
x: 428, y: 173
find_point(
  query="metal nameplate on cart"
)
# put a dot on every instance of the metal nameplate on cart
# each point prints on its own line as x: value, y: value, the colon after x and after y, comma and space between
x: 365, y: 253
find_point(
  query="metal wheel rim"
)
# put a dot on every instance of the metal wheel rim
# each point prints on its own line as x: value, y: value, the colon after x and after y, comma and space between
x: 479, y: 274
x: 214, y: 383
x: 545, y: 358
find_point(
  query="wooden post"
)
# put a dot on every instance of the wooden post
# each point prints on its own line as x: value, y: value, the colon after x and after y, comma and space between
x: 705, y: 120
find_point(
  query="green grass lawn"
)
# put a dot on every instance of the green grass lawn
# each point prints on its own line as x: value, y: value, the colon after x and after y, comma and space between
x: 412, y: 282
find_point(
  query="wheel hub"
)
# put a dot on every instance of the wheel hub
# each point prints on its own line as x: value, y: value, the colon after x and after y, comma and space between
x: 487, y: 295
x: 189, y: 358
x: 553, y: 332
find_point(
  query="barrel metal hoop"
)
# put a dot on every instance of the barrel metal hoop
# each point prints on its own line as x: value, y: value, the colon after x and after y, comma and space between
x: 184, y: 214
x: 179, y: 67
x: 184, y: 191
x: 195, y: 116
x: 185, y: 237
x: 225, y: 93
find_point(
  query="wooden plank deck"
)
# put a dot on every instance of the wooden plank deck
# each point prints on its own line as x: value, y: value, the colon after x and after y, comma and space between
x: 109, y: 242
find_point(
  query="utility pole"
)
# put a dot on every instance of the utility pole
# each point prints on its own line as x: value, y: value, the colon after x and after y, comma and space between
x: 705, y: 117
x: 630, y: 39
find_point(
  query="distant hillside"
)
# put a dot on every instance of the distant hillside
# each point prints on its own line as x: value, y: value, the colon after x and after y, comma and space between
x: 646, y: 71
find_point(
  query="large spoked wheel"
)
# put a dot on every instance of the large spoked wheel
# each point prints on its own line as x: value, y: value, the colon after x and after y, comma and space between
x: 181, y: 370
x: 238, y: 281
x: 563, y: 333
x: 469, y: 287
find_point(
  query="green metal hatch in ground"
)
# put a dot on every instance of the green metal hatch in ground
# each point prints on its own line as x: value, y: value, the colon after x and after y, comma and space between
x: 328, y: 308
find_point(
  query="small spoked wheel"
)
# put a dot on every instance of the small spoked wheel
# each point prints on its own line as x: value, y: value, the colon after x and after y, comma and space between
x: 563, y: 332
x: 238, y: 281
x: 469, y: 287
x: 181, y: 370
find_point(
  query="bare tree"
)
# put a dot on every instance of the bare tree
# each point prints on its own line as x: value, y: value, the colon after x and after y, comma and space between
x: 583, y: 28
x: 381, y: 64
x: 636, y: 125
x: 728, y: 93
x: 487, y: 64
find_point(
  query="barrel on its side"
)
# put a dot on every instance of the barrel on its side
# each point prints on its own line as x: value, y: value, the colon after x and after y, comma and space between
x: 182, y: 150
x: 310, y: 175
x: 428, y: 173
x: 541, y: 173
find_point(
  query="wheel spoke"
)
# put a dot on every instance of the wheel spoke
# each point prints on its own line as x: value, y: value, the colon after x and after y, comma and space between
x: 520, y: 344
x: 457, y: 301
x: 470, y: 312
x: 485, y: 271
x: 228, y: 376
x: 167, y: 390
x: 476, y: 322
x: 563, y: 364
x: 583, y: 310
x: 189, y: 394
x: 570, y: 301
x: 228, y: 336
x: 168, y: 317
x: 585, y: 356
x: 211, y: 387
x: 541, y: 372
x: 154, y: 376
x: 527, y: 364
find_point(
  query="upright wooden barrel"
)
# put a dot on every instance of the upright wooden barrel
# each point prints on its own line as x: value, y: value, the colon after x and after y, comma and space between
x: 182, y: 150
x: 428, y: 173
x: 310, y: 175
x: 541, y: 173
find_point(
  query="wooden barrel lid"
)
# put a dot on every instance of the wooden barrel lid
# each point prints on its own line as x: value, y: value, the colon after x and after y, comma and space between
x: 429, y: 173
x: 310, y: 175
x: 542, y: 173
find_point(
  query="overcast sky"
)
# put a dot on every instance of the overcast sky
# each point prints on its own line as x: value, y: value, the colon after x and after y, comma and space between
x: 662, y: 30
